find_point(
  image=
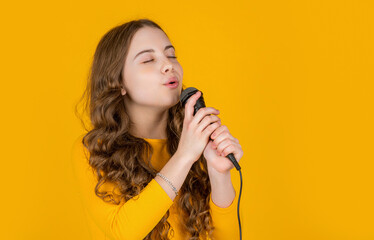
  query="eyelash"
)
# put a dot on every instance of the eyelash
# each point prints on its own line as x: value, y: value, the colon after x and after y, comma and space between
x: 152, y: 59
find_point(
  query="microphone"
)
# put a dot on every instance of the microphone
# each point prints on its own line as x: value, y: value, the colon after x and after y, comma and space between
x: 185, y: 95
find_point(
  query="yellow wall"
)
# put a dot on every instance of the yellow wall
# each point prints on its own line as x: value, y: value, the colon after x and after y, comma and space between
x: 293, y: 81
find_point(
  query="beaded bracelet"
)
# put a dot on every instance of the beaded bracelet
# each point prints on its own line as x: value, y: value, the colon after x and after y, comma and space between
x: 167, y: 180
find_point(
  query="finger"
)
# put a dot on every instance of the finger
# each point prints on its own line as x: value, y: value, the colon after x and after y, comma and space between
x: 208, y: 119
x: 208, y: 130
x: 228, y: 150
x: 202, y: 112
x: 189, y: 107
x: 219, y: 131
x: 224, y: 134
x: 224, y: 144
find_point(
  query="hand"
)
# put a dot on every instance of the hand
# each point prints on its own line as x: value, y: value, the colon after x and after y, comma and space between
x: 221, y: 145
x: 196, y: 129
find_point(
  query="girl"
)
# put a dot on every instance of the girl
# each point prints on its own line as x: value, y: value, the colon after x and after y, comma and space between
x: 146, y: 168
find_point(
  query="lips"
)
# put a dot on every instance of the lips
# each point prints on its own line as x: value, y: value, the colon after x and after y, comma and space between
x: 171, y: 80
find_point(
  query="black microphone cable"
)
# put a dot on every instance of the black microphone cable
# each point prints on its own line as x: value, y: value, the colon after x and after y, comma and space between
x: 185, y: 95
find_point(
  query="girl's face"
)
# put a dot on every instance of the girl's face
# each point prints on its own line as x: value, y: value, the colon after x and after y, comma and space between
x: 145, y: 73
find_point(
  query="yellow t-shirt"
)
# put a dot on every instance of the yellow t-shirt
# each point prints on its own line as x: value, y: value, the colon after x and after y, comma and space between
x: 134, y: 219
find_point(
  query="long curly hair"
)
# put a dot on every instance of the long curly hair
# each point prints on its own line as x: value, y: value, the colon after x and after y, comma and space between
x: 118, y: 157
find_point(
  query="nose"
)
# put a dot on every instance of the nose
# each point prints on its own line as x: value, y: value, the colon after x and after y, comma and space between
x: 167, y: 66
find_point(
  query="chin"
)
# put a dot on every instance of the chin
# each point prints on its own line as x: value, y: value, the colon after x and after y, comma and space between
x: 173, y: 100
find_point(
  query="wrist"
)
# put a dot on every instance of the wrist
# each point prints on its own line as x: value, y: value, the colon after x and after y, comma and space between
x: 184, y: 158
x: 219, y: 179
x: 223, y: 192
x: 218, y: 175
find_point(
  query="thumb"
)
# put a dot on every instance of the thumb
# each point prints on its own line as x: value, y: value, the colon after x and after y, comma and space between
x: 189, y: 107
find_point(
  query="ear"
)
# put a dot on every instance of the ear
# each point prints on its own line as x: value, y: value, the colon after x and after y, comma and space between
x: 123, y: 91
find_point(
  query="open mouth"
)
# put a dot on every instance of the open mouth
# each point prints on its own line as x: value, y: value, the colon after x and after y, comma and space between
x: 172, y: 84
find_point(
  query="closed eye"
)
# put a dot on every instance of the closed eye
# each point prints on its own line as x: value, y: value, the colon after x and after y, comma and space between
x: 153, y: 59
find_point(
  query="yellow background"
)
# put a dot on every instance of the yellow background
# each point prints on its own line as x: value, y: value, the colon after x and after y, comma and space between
x: 293, y: 81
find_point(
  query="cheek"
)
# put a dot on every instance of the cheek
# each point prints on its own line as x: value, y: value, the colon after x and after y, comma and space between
x: 139, y: 77
x: 143, y: 87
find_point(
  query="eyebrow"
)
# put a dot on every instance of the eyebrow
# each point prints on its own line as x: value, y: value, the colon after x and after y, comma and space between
x: 151, y: 50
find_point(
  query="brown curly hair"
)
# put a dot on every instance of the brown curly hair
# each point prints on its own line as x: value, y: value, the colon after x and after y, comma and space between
x: 115, y: 154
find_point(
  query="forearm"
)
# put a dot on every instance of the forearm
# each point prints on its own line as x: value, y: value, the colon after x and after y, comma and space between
x: 132, y: 219
x: 223, y: 192
x: 176, y: 170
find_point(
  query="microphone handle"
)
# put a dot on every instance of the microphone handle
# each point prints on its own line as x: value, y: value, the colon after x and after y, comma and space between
x: 232, y: 159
